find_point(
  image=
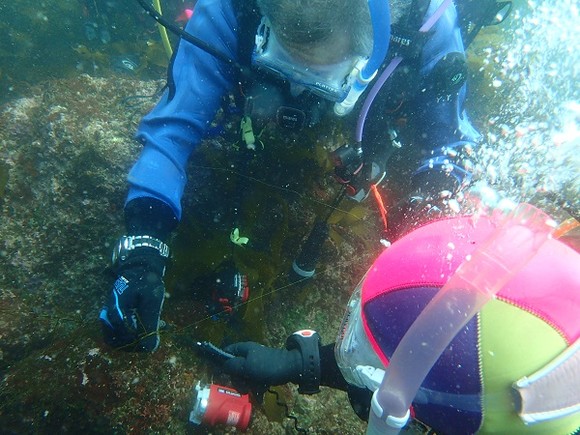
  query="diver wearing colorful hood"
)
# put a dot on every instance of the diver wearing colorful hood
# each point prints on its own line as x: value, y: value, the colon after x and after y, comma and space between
x: 513, y: 368
x: 315, y: 52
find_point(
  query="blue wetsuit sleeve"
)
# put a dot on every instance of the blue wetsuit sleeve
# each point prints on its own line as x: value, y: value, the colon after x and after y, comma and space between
x: 440, y: 120
x: 197, y: 82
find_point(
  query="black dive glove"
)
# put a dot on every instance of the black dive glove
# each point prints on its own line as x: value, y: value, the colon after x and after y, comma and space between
x: 256, y: 367
x: 131, y: 316
x: 358, y: 177
x: 359, y: 186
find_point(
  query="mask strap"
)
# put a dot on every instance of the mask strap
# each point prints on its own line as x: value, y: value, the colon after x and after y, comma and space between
x: 552, y: 391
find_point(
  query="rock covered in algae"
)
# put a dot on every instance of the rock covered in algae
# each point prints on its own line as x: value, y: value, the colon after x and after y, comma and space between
x: 66, y: 149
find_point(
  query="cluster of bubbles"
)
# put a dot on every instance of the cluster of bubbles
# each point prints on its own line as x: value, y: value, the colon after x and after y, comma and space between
x: 532, y: 149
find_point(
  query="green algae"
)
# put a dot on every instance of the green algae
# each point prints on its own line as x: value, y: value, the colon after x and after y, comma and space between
x: 4, y: 172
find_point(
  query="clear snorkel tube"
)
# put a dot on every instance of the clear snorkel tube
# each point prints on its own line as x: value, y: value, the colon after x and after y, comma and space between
x: 381, y: 23
x: 474, y: 283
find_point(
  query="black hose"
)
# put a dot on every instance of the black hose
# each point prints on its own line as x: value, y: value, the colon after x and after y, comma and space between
x: 208, y: 48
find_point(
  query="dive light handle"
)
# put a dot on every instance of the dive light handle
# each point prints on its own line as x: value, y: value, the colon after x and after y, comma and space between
x: 304, y: 266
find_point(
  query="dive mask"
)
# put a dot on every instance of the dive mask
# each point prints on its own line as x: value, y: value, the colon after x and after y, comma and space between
x: 353, y: 347
x: 329, y: 81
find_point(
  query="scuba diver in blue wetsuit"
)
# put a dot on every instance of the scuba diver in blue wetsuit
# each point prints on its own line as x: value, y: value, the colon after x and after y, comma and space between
x: 394, y: 69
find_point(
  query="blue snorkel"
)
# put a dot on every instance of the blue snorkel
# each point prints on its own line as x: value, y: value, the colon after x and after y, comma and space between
x: 381, y: 22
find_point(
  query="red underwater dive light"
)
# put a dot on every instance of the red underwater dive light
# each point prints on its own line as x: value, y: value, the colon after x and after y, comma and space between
x: 215, y: 404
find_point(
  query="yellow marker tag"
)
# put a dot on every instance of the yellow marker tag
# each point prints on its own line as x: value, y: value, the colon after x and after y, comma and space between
x: 247, y: 131
x: 236, y: 239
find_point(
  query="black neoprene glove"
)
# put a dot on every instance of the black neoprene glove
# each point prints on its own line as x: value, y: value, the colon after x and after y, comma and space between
x: 258, y: 366
x: 130, y: 318
x: 356, y: 175
x: 359, y: 186
x: 131, y: 315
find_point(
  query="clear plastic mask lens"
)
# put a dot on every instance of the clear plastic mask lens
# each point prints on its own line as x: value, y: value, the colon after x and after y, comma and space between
x: 331, y: 81
x: 352, y: 345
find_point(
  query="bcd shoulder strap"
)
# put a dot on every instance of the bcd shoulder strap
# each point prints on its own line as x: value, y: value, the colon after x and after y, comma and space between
x: 406, y: 40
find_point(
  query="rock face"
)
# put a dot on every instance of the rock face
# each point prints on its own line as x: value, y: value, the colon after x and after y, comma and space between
x: 65, y: 150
